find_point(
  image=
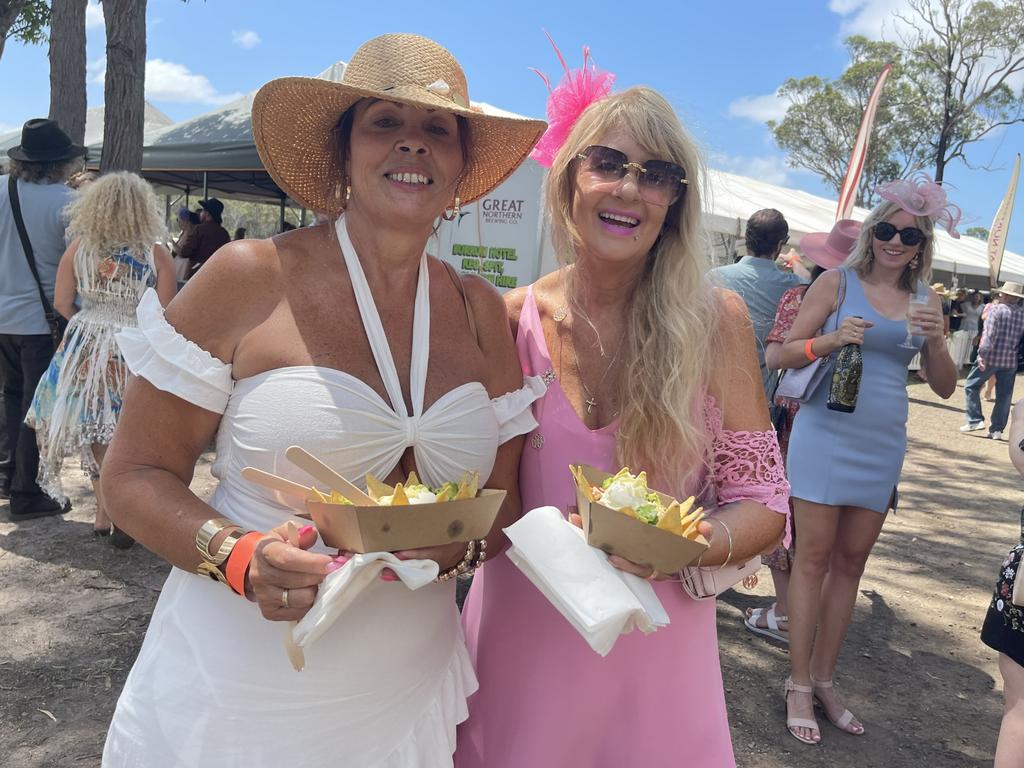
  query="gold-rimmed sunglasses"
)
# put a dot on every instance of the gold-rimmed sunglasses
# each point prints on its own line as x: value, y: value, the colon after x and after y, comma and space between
x: 658, y: 181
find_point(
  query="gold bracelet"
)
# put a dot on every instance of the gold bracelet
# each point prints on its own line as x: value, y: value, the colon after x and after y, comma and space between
x: 728, y: 533
x: 207, y: 532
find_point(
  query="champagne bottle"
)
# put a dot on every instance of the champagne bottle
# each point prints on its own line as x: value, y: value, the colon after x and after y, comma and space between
x: 846, y: 375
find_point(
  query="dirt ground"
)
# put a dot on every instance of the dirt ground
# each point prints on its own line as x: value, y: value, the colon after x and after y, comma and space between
x: 73, y: 612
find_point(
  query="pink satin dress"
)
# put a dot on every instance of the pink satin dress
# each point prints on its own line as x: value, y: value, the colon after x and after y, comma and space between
x: 545, y: 698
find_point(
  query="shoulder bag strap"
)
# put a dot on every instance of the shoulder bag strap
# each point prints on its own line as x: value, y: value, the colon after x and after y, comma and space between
x: 19, y: 222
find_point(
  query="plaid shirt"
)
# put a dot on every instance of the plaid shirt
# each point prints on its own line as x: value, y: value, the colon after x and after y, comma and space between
x: 1004, y: 327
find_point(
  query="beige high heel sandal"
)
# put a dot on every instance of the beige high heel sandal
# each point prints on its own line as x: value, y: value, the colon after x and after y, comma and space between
x: 844, y: 720
x: 800, y: 722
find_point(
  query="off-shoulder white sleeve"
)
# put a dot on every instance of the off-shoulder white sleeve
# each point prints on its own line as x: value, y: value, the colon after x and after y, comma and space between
x: 514, y: 411
x: 172, y: 363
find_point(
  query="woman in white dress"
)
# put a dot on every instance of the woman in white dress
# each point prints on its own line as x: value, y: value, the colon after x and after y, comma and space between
x: 113, y: 258
x: 347, y: 339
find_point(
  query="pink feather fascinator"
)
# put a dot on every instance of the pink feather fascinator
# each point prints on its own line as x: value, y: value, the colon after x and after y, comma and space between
x: 921, y: 196
x: 578, y: 90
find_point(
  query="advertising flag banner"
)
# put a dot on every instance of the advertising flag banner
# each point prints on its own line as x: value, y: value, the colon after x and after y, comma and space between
x: 848, y: 192
x: 1001, y: 227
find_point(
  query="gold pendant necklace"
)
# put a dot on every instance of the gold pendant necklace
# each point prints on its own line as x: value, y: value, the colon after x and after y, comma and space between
x: 591, y: 401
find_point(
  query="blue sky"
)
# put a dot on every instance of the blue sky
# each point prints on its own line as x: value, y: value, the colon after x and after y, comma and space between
x: 719, y: 63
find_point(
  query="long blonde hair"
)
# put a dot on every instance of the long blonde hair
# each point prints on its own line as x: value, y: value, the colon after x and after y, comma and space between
x: 863, y: 257
x: 118, y: 210
x: 673, y: 314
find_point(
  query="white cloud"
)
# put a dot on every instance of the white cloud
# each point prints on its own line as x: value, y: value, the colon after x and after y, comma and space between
x: 771, y: 169
x: 245, y: 38
x: 760, y: 109
x: 168, y: 81
x: 93, y: 16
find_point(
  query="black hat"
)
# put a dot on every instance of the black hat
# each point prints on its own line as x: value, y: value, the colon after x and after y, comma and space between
x: 42, y: 141
x: 214, y: 207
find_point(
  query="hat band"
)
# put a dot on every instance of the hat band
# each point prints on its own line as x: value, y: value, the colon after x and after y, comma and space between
x: 438, y: 88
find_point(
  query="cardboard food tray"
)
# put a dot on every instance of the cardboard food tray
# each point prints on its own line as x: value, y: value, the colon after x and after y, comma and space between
x: 620, y: 534
x: 388, y: 529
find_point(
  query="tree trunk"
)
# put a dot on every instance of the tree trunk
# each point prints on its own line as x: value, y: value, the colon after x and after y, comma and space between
x: 67, y: 67
x: 124, y: 92
x: 9, y: 12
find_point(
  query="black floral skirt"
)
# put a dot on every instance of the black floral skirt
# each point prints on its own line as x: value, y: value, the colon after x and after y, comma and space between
x: 1003, y: 630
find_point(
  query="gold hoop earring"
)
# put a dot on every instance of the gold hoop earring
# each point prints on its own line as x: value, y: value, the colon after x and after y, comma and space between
x: 451, y: 214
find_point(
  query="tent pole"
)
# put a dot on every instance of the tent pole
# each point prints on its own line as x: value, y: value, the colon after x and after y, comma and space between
x: 280, y: 223
x: 206, y: 190
x: 302, y: 217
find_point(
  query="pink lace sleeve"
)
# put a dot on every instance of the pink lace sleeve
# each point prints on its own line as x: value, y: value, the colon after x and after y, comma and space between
x: 748, y: 466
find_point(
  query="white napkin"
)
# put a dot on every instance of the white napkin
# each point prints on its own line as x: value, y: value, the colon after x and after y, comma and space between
x: 598, y: 599
x: 338, y: 591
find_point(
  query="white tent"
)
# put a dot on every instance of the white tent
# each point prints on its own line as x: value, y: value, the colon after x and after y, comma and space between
x: 734, y: 198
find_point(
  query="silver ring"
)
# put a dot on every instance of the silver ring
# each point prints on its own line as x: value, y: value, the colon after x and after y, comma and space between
x: 284, y: 598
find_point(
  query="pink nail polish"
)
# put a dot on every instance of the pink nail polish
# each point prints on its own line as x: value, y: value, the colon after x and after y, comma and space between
x: 333, y: 566
x: 305, y: 529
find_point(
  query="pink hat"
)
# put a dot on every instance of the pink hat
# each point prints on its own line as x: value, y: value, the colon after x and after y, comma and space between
x: 830, y: 249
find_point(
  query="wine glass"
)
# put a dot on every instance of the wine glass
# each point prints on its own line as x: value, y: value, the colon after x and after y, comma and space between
x: 920, y: 298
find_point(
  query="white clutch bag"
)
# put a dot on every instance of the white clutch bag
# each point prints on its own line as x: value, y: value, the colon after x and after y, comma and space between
x: 705, y: 583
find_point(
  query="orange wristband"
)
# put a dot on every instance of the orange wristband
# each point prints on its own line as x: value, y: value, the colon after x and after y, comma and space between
x: 808, y: 352
x: 239, y: 559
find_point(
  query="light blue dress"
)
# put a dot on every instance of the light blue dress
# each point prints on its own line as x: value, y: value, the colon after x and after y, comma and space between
x: 855, y: 459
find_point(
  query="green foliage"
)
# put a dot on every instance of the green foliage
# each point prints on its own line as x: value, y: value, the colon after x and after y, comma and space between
x: 979, y: 232
x: 32, y: 22
x: 948, y: 88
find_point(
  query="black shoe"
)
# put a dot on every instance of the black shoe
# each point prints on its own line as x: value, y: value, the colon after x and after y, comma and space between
x: 31, y: 506
x: 120, y: 539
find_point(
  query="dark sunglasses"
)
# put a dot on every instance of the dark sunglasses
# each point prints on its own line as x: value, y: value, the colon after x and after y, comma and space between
x: 658, y: 181
x: 908, y: 235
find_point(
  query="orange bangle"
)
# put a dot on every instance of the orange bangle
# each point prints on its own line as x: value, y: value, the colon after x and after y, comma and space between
x: 808, y: 352
x: 239, y: 559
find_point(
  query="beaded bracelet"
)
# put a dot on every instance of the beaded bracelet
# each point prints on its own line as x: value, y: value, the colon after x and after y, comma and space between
x: 476, y: 552
x: 728, y: 533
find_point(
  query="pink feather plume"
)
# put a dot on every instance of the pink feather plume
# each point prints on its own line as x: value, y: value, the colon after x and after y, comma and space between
x: 578, y: 90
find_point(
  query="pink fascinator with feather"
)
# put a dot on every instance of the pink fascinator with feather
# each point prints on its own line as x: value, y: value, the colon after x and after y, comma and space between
x: 921, y: 196
x: 578, y: 90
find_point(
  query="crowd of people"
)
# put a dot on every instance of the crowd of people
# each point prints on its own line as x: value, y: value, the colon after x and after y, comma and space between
x: 348, y: 339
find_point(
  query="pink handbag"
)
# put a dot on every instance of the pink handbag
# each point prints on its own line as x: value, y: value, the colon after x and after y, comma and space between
x: 705, y: 583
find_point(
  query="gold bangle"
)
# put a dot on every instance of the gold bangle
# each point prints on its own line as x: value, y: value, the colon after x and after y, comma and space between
x: 206, y: 533
x: 728, y: 533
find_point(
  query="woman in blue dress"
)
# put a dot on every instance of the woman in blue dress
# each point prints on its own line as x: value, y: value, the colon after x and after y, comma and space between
x: 844, y: 467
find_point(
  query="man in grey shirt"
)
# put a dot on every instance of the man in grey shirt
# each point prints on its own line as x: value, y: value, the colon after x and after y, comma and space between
x: 756, y: 278
x: 40, y: 165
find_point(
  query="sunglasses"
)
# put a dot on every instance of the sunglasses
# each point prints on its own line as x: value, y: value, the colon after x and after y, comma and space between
x: 659, y: 182
x: 908, y: 235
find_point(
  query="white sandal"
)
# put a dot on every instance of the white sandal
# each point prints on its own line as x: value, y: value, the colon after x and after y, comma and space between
x: 772, y: 630
x: 800, y: 722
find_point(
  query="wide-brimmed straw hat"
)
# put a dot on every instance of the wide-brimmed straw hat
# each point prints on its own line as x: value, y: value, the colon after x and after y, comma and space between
x: 830, y: 249
x: 293, y: 119
x: 1013, y: 289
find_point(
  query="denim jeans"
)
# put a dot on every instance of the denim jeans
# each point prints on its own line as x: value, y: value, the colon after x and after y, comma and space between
x: 23, y: 361
x: 1005, y: 378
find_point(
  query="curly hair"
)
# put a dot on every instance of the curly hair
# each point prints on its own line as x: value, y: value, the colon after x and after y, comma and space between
x: 44, y: 173
x: 118, y: 210
x: 673, y: 314
x: 863, y: 256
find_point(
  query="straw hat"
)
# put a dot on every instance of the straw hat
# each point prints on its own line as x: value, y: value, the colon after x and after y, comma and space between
x: 293, y: 119
x: 1013, y: 289
x: 830, y: 249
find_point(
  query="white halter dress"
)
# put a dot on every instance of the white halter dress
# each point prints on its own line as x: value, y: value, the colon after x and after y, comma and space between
x: 385, y: 686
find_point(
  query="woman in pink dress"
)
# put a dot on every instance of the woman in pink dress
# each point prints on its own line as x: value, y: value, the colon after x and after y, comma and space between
x: 650, y: 367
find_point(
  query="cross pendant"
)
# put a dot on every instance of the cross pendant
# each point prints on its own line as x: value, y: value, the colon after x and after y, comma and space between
x: 591, y: 403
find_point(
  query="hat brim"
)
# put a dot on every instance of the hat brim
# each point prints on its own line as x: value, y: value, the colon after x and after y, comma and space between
x: 815, y: 247
x: 1010, y: 293
x: 64, y: 153
x: 293, y: 120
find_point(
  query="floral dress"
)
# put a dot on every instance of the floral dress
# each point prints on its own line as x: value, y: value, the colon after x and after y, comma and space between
x: 79, y: 397
x: 1003, y: 630
x: 785, y: 316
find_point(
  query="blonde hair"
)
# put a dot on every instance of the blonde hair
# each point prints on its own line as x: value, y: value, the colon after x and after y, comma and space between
x: 863, y: 256
x: 673, y: 313
x: 118, y: 210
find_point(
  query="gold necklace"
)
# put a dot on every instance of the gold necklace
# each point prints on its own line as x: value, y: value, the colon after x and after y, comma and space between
x: 591, y: 401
